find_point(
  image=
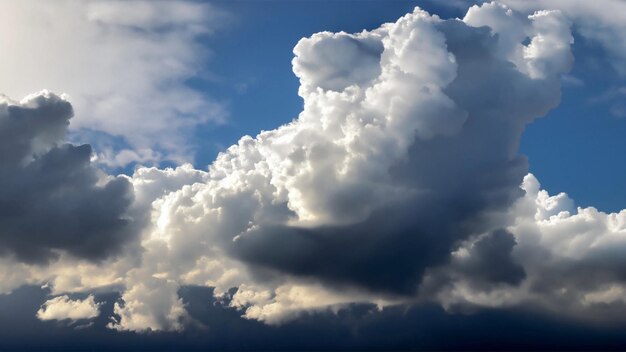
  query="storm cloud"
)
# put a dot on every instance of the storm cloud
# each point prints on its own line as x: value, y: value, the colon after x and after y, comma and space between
x: 52, y: 199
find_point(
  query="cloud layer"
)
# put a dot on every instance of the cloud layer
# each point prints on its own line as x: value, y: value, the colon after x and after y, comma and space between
x: 391, y: 163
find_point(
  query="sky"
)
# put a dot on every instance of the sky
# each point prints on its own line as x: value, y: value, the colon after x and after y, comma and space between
x: 312, y: 175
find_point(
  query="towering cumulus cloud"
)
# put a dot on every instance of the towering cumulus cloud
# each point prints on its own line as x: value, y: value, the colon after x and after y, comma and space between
x: 398, y: 183
x: 407, y: 146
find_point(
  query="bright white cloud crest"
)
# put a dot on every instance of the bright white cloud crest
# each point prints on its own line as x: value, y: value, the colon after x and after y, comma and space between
x: 398, y: 183
x: 62, y: 307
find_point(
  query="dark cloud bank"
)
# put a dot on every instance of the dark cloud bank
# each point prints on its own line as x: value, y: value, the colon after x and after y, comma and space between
x: 357, y: 327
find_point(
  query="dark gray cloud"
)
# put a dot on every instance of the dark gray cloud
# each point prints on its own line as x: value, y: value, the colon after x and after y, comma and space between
x: 356, y: 327
x: 484, y: 263
x: 52, y: 199
x: 489, y: 260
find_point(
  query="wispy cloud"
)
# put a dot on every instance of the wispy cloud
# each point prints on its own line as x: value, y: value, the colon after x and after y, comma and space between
x: 125, y: 65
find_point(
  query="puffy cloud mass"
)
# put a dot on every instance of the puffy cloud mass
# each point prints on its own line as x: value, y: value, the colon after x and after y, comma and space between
x: 553, y: 256
x: 52, y: 199
x: 62, y: 307
x: 398, y: 183
x: 600, y: 21
x: 392, y: 162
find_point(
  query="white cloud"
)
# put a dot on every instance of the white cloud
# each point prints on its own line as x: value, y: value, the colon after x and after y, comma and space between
x: 150, y: 303
x: 602, y: 21
x: 265, y: 203
x: 550, y: 37
x: 288, y: 301
x: 62, y: 307
x: 572, y: 259
x: 123, y: 63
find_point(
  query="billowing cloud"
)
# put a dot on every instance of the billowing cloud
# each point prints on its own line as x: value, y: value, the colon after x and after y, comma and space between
x: 399, y: 183
x: 564, y: 259
x: 52, y: 199
x: 62, y: 308
x: 124, y: 64
x: 392, y: 162
x: 601, y: 21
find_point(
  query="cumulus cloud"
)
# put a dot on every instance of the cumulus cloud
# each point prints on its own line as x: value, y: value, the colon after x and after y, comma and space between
x: 52, y: 199
x: 124, y: 64
x: 62, y: 308
x: 602, y: 21
x: 399, y: 183
x: 392, y: 162
x: 150, y: 303
x: 570, y: 258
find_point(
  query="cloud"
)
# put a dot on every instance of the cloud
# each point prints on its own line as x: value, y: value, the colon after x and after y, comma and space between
x: 618, y: 110
x: 124, y: 64
x: 571, y: 259
x: 613, y: 97
x: 601, y: 21
x: 392, y: 162
x: 52, y: 198
x: 488, y: 259
x: 359, y: 326
x: 570, y: 81
x: 62, y: 307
